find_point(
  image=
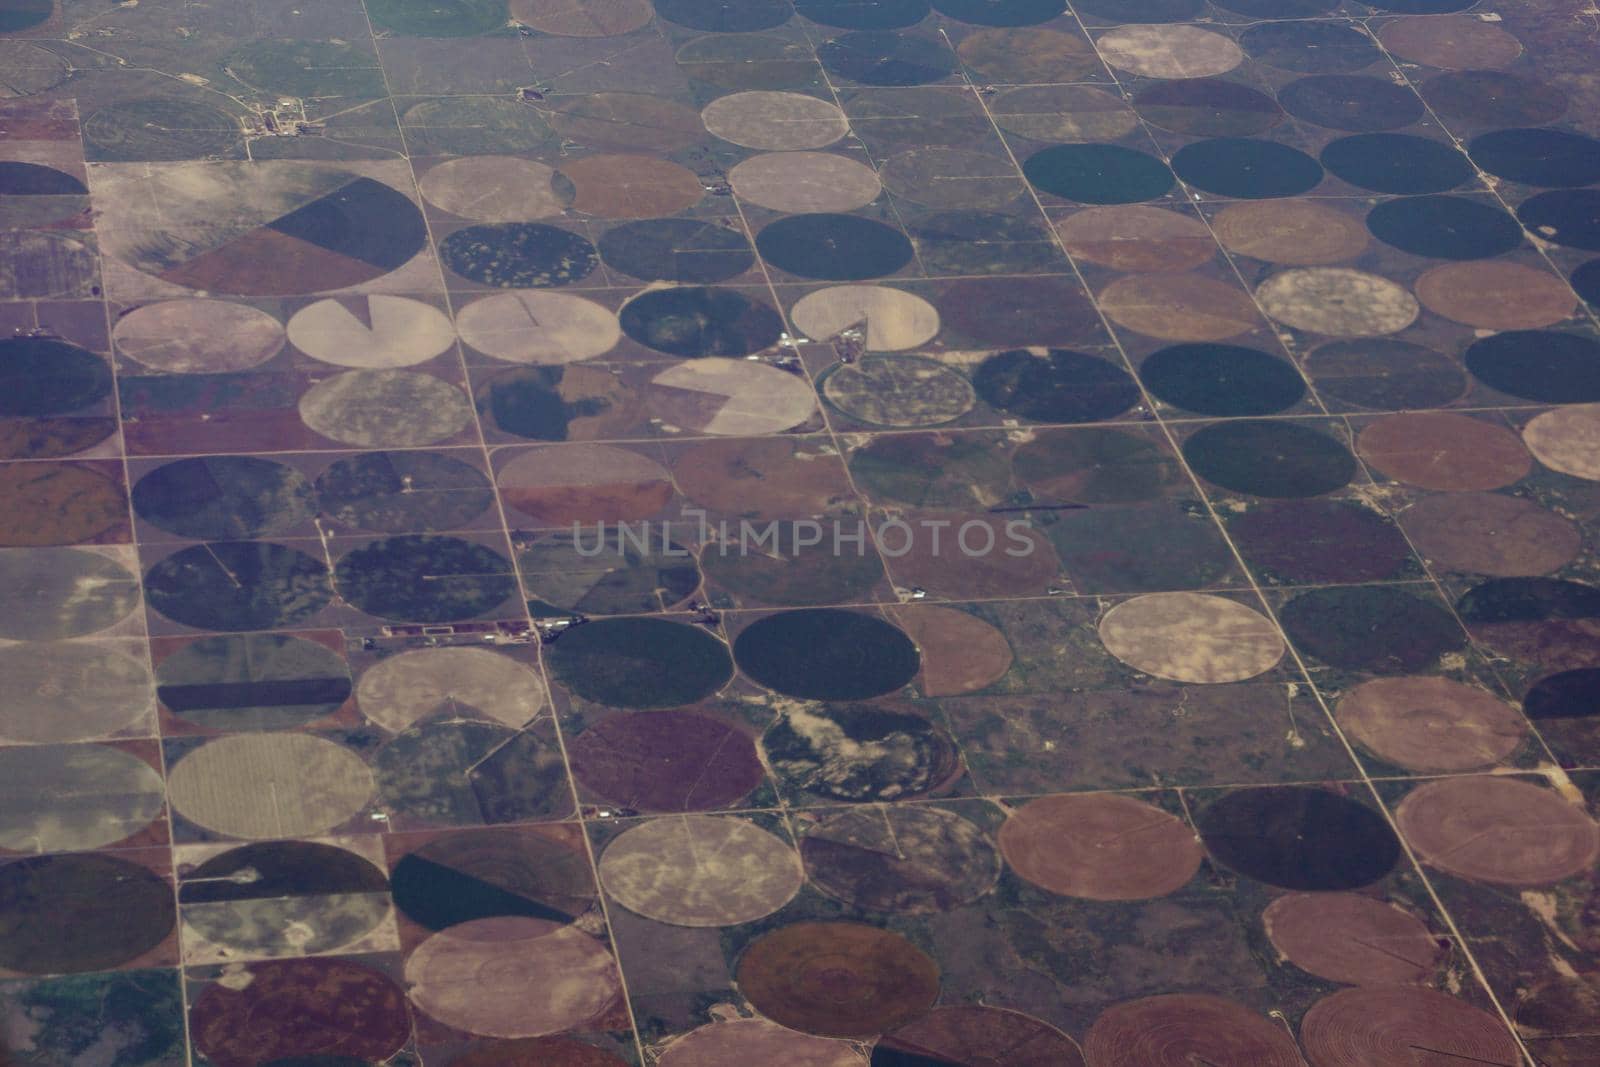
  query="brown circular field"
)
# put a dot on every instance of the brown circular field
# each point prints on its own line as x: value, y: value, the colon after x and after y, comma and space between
x: 1137, y: 238
x: 1567, y: 440
x: 766, y: 477
x: 743, y: 1042
x: 1169, y: 51
x: 1063, y: 113
x: 1191, y: 637
x: 1492, y: 295
x: 971, y: 1036
x: 800, y: 182
x: 625, y: 122
x: 1385, y: 1026
x: 1298, y: 233
x: 1431, y: 725
x: 583, y: 18
x: 1180, y: 307
x: 493, y: 189
x: 1558, y: 644
x: 699, y: 870
x: 294, y: 1008
x: 1450, y: 42
x: 198, y: 336
x: 946, y: 570
x: 1338, y: 302
x: 790, y: 575
x: 58, y: 504
x: 960, y: 652
x: 1100, y: 846
x: 264, y: 786
x: 1011, y: 312
x: 584, y: 483
x: 1500, y: 830
x: 398, y: 692
x: 1445, y: 451
x: 1319, y: 541
x: 631, y: 186
x: 1187, y: 1030
x: 512, y: 976
x: 900, y: 859
x: 837, y: 979
x: 666, y: 761
x: 1490, y: 533
x: 1096, y: 466
x: 1353, y: 939
x: 1028, y: 55
x: 48, y: 437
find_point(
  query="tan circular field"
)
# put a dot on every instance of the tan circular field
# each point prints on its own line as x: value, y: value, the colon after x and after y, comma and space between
x: 493, y: 189
x: 700, y: 870
x: 893, y: 318
x: 198, y: 336
x: 512, y: 976
x: 1338, y: 302
x: 1191, y: 637
x: 800, y: 182
x: 385, y: 409
x: 775, y: 121
x: 539, y: 327
x: 1169, y: 51
x: 371, y: 332
x: 399, y: 691
x: 1567, y: 440
x: 264, y: 786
